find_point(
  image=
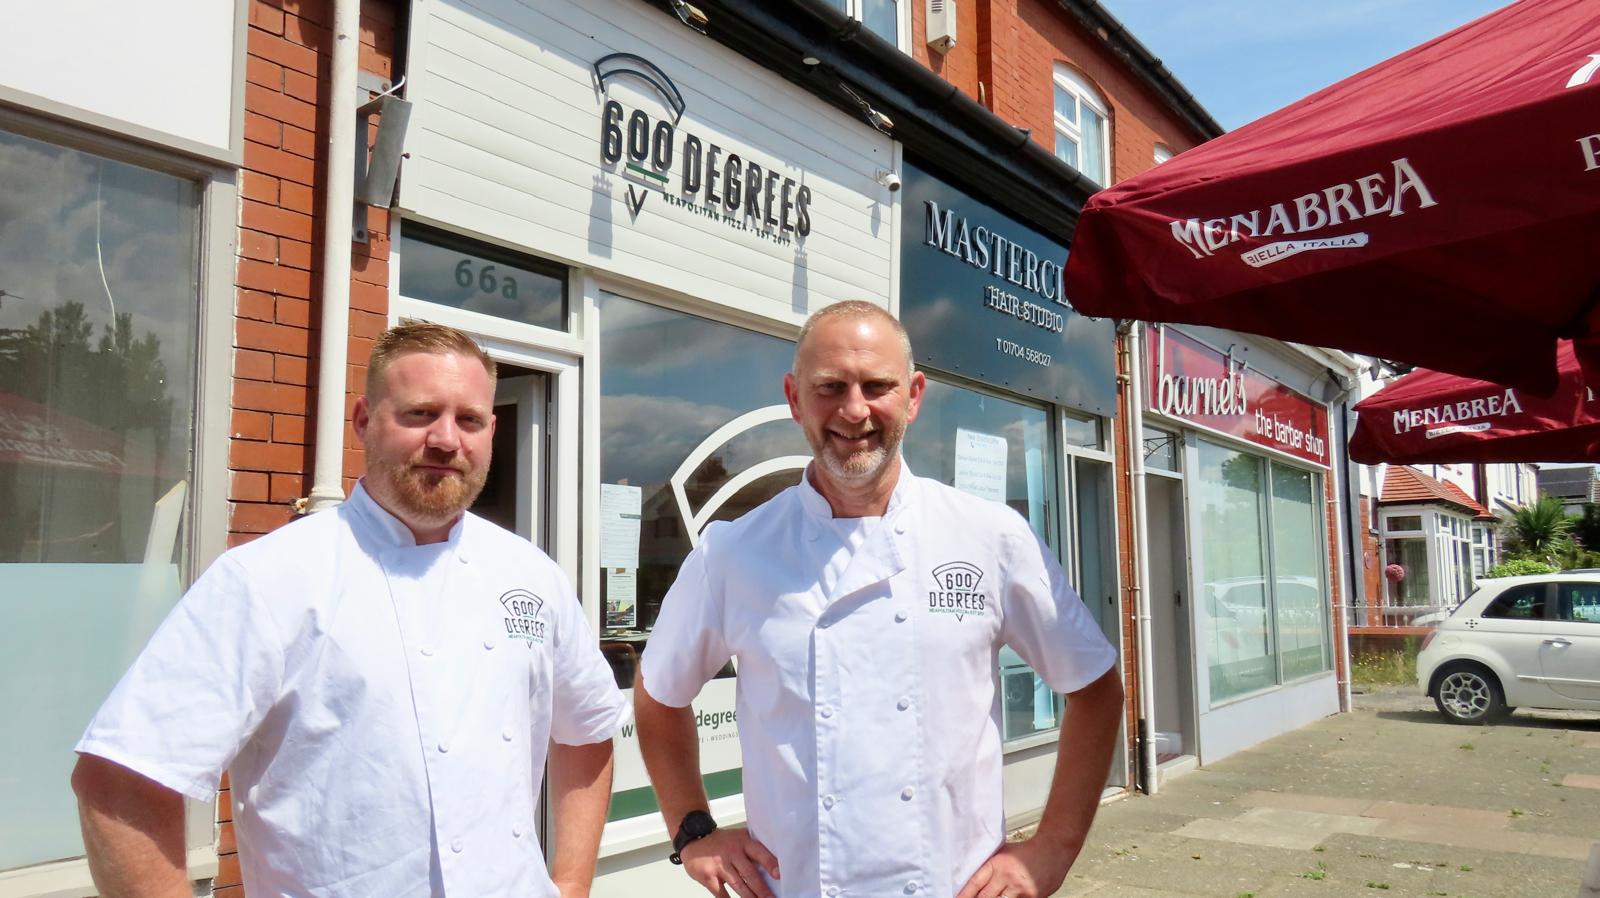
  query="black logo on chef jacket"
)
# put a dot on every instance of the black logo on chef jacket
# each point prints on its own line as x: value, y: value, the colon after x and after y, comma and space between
x: 657, y: 154
x: 524, y: 616
x: 956, y: 590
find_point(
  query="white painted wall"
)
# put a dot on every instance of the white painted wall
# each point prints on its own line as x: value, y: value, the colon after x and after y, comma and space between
x: 162, y: 66
x: 505, y: 142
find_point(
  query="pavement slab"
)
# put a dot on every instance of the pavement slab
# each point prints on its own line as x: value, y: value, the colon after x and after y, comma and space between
x: 1581, y: 781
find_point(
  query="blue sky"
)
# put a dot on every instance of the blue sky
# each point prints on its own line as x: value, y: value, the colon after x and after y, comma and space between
x: 1245, y: 58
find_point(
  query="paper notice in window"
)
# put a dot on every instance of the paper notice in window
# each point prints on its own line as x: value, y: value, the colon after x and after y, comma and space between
x: 619, y: 525
x: 981, y: 464
x: 622, y: 598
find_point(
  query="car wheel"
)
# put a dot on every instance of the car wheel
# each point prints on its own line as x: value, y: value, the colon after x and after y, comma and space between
x: 1469, y: 694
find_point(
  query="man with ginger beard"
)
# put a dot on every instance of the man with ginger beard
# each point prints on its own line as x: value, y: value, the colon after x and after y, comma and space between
x: 381, y: 681
x: 866, y: 608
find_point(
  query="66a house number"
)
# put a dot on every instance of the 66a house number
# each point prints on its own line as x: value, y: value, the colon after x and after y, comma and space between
x: 485, y: 279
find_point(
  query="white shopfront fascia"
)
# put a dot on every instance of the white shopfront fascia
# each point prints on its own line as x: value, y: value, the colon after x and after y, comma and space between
x: 507, y: 144
x: 1245, y: 720
x: 167, y: 73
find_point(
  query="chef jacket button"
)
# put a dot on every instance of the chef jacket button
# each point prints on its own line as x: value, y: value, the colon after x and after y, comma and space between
x: 457, y: 846
x: 827, y: 801
x: 833, y: 891
x: 903, y: 704
x: 906, y: 793
x: 516, y: 831
x: 826, y: 712
x: 427, y: 651
x: 444, y: 747
x: 911, y: 887
x: 488, y: 644
x: 506, y: 734
x: 900, y: 528
x: 900, y: 616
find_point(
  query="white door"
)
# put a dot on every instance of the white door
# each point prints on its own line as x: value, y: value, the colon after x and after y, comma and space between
x: 1169, y: 619
x: 1569, y: 654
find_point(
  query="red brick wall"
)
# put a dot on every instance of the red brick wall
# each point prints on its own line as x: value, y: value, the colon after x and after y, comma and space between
x: 1011, y: 48
x: 277, y: 305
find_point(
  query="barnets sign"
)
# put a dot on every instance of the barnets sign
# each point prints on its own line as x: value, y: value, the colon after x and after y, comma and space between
x: 1215, y: 390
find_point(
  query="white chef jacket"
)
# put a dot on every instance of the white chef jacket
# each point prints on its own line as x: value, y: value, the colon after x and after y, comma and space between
x: 868, y: 702
x: 383, y: 708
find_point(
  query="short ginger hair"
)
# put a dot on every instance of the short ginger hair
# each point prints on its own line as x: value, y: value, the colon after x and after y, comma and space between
x: 412, y: 337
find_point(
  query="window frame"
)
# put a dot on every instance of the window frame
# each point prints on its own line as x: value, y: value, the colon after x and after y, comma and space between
x: 206, y: 536
x: 902, y: 18
x: 1084, y: 94
x: 1545, y: 603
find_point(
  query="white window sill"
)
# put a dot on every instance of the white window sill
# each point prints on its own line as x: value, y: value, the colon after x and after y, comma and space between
x: 70, y: 879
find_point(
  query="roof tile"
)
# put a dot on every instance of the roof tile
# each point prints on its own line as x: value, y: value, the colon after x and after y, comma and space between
x: 1405, y: 485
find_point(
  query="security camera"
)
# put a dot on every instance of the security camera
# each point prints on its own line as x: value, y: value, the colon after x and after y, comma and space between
x: 890, y: 180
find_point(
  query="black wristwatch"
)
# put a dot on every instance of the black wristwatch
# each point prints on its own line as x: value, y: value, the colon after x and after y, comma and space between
x: 695, y: 825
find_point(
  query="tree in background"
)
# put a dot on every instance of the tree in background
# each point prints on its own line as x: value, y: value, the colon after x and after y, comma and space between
x: 1586, y: 527
x: 1540, y: 531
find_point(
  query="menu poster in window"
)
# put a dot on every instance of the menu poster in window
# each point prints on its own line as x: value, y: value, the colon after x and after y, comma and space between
x: 620, y: 507
x: 622, y: 599
x: 981, y: 464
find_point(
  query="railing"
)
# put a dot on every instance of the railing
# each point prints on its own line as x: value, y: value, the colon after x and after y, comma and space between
x: 1396, y: 618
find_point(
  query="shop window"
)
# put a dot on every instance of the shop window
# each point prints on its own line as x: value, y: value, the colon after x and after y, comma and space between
x: 1297, y: 552
x: 1263, y: 551
x: 1082, y: 116
x: 1233, y: 550
x: 99, y: 309
x: 451, y: 270
x: 882, y: 17
x: 682, y: 444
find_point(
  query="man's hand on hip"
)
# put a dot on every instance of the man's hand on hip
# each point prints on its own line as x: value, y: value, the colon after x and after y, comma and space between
x: 730, y: 857
x: 1027, y: 869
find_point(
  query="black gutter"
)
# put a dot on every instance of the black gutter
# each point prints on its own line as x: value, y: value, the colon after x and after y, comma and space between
x: 941, y: 127
x: 1146, y: 65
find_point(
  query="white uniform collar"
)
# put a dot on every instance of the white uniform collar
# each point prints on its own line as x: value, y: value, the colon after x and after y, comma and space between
x: 817, y: 507
x: 390, y: 529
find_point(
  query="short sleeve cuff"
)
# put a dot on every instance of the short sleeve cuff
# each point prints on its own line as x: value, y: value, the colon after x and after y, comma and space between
x: 1091, y: 668
x: 199, y: 789
x: 600, y: 726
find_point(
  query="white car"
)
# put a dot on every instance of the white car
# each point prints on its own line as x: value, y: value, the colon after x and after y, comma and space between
x: 1518, y: 642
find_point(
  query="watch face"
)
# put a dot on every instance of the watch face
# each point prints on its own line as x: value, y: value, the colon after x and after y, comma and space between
x: 698, y: 824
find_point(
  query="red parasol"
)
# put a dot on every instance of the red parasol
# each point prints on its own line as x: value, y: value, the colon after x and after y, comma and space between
x: 1428, y: 417
x: 1438, y: 208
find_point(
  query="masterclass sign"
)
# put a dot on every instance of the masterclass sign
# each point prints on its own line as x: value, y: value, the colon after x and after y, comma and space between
x: 981, y: 295
x: 1192, y: 381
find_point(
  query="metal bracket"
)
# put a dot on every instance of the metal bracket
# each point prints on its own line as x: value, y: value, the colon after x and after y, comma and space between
x: 375, y: 177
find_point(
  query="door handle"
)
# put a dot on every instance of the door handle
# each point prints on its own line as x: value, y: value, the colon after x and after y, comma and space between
x: 1558, y: 642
